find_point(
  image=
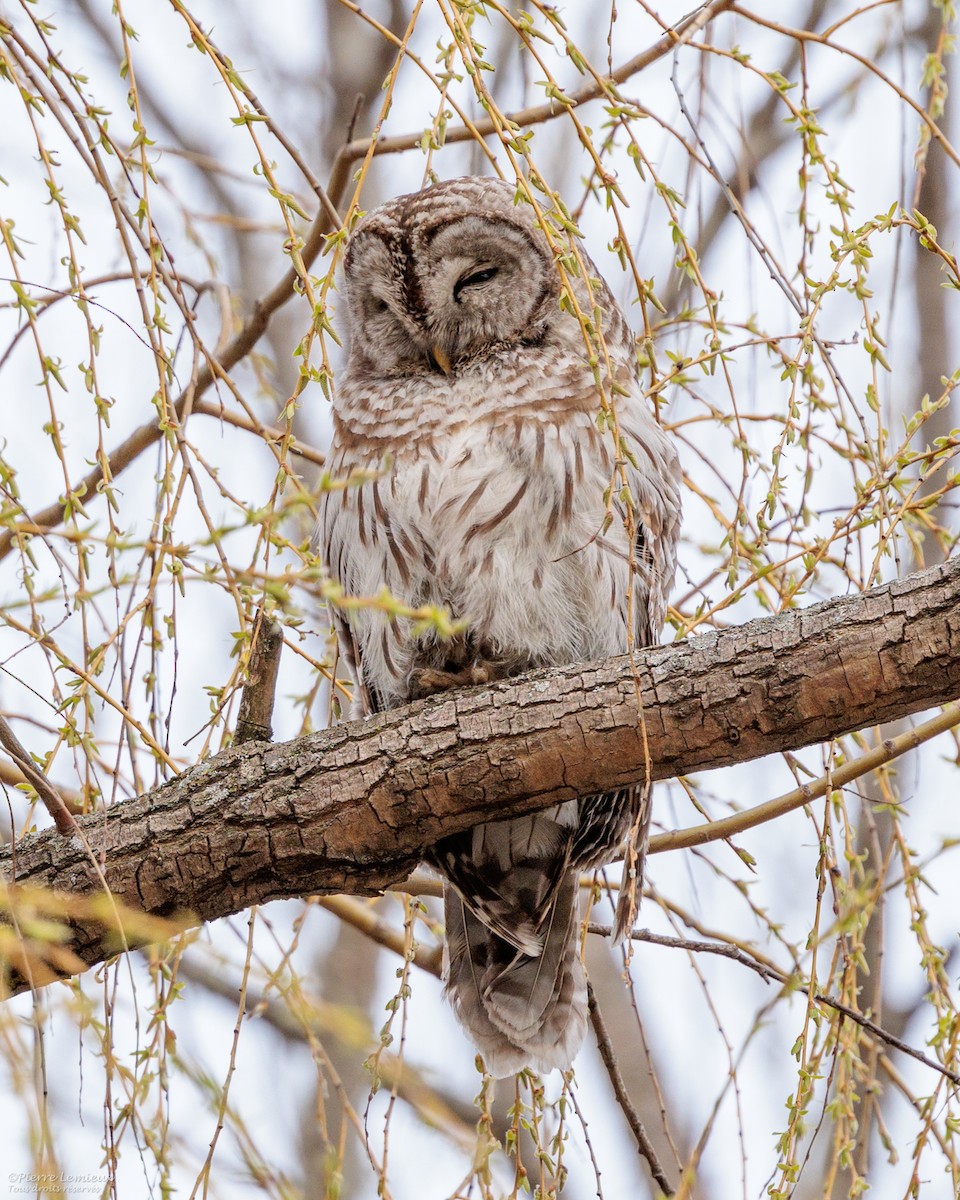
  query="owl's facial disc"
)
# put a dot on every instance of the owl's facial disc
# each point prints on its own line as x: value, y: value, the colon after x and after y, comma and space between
x: 484, y: 282
x: 386, y: 328
x: 427, y: 295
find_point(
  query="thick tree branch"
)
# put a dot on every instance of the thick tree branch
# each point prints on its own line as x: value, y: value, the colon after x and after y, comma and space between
x: 353, y: 808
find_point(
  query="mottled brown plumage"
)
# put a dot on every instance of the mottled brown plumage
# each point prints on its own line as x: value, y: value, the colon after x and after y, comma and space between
x: 469, y: 401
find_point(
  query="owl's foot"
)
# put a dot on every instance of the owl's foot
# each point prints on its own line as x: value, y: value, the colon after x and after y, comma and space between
x: 425, y: 681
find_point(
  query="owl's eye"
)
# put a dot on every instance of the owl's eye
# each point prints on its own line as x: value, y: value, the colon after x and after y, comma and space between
x: 378, y: 304
x: 473, y: 280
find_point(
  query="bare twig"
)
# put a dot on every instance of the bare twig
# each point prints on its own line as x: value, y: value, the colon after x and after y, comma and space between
x: 11, y: 774
x: 368, y: 921
x: 608, y: 1055
x: 268, y: 433
x: 524, y: 118
x: 792, y: 982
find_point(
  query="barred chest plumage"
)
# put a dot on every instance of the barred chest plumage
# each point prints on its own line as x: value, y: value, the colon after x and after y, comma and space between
x: 507, y: 516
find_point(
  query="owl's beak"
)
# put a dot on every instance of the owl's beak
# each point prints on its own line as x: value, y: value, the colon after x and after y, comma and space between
x: 441, y: 358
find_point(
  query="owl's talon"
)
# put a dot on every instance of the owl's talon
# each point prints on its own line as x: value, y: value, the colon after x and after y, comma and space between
x: 425, y: 681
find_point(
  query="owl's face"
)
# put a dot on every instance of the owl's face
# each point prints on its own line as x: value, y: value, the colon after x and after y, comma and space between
x: 440, y: 278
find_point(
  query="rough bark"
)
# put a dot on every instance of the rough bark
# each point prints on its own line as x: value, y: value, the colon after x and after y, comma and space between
x: 351, y: 809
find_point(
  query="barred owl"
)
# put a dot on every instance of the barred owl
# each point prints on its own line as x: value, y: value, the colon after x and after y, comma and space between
x: 482, y: 482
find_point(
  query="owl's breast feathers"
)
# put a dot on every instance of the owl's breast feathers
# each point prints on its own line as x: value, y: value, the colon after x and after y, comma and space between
x: 495, y: 495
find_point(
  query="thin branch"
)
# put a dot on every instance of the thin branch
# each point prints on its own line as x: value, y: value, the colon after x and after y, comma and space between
x: 268, y: 433
x: 369, y: 922
x: 791, y: 982
x: 888, y: 750
x: 537, y: 114
x: 609, y: 1057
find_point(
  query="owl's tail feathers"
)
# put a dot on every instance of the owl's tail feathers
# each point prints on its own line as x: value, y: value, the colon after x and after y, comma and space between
x: 520, y: 1010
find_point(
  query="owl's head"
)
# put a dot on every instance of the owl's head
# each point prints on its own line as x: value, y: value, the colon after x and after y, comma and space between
x: 442, y: 277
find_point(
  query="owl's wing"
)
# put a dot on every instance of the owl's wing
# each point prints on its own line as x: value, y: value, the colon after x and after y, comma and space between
x: 654, y: 479
x: 341, y: 547
x: 365, y: 699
